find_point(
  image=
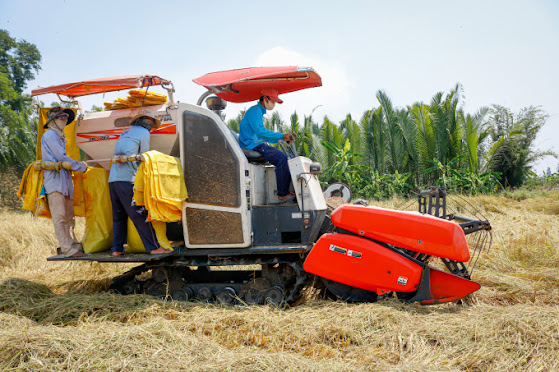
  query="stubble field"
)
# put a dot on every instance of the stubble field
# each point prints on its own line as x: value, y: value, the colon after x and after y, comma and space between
x: 59, y: 315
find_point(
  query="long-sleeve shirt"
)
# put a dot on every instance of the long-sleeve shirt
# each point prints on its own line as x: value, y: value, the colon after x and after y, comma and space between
x: 252, y: 131
x: 132, y: 141
x: 53, y: 149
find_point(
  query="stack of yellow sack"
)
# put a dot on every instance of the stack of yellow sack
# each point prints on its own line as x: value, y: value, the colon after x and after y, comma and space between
x: 137, y: 98
x: 159, y: 186
x: 144, y: 98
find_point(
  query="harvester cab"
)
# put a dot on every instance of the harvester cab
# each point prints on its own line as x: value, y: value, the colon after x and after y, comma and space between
x: 233, y: 217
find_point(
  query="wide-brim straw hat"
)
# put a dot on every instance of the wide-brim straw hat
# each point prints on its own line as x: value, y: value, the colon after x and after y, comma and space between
x: 149, y: 114
x: 55, y: 111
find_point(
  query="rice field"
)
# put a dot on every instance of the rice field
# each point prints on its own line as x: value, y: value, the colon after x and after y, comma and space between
x: 59, y: 315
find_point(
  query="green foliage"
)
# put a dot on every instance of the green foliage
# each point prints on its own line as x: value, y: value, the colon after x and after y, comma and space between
x: 345, y: 167
x: 545, y: 181
x: 19, y: 61
x: 463, y: 180
x: 235, y: 124
x: 96, y: 108
x: 512, y: 152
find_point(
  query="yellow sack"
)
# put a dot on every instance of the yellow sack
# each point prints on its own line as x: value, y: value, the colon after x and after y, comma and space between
x: 159, y: 186
x: 98, y: 235
x: 72, y: 150
x: 135, y: 242
x: 30, y: 190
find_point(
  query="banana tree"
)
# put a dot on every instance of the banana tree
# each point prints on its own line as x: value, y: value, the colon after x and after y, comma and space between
x: 346, y: 167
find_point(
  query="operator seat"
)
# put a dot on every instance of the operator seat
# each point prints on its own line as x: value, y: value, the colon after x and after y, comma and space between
x: 252, y: 156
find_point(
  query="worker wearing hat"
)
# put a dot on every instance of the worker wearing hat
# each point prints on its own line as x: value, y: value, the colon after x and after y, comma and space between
x: 132, y: 141
x: 58, y: 184
x: 253, y: 133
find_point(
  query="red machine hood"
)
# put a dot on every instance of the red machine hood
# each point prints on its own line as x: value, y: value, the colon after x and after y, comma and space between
x: 245, y: 85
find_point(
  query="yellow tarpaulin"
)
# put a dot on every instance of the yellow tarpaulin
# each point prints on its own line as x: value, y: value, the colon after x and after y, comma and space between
x: 30, y: 190
x: 98, y: 235
x: 159, y: 186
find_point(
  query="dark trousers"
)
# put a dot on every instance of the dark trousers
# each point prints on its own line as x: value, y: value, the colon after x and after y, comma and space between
x: 279, y: 160
x: 121, y: 199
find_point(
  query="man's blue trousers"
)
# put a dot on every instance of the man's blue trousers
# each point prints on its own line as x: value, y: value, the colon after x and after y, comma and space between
x: 122, y: 193
x: 279, y: 160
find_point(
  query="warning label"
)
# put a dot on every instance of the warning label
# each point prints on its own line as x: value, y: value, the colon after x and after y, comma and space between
x: 335, y: 248
x: 354, y: 254
x: 348, y: 252
x: 402, y: 280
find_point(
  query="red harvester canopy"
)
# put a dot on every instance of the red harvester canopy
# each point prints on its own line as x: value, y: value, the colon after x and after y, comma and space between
x: 245, y: 84
x: 111, y: 84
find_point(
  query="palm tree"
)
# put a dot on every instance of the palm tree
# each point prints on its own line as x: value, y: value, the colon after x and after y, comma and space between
x: 474, y: 135
x: 375, y: 146
x: 447, y: 121
x: 409, y: 135
x: 425, y: 141
x: 352, y: 132
x: 393, y: 133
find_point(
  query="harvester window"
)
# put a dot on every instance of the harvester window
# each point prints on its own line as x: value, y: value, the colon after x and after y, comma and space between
x: 122, y: 122
x: 211, y: 166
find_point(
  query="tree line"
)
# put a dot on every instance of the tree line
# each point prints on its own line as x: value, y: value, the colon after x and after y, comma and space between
x: 19, y: 62
x: 401, y: 150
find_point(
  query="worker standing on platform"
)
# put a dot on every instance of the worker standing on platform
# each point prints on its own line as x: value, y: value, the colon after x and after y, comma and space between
x: 58, y: 184
x: 252, y: 135
x: 134, y: 141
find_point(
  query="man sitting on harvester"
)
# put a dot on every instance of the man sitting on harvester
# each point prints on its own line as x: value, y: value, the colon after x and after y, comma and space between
x: 252, y: 135
x: 58, y: 183
x: 133, y: 141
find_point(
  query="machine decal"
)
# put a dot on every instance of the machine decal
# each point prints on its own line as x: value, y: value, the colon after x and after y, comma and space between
x: 114, y: 134
x: 402, y: 280
x: 335, y: 248
x: 345, y: 251
x: 354, y: 254
x: 164, y: 117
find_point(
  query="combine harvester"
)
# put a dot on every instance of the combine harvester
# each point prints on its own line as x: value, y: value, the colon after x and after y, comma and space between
x: 232, y: 216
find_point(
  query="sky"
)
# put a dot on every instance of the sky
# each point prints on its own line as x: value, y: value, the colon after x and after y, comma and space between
x: 503, y: 52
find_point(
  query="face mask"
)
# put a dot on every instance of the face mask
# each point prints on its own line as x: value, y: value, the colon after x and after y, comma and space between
x: 269, y: 104
x: 60, y: 124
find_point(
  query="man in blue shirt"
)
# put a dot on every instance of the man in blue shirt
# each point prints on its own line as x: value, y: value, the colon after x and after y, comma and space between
x: 252, y: 135
x: 58, y: 184
x: 134, y: 141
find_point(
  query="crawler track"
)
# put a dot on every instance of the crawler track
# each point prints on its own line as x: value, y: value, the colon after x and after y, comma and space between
x: 279, y: 281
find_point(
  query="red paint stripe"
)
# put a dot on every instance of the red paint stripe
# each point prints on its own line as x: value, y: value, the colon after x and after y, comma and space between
x: 111, y: 135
